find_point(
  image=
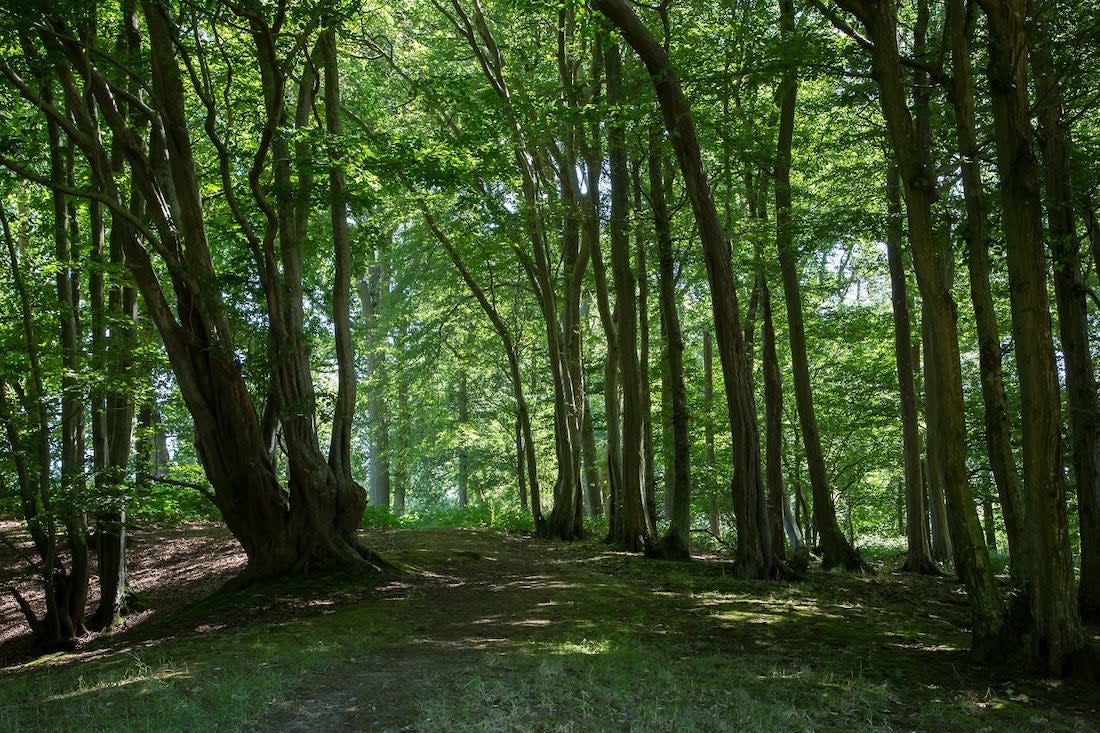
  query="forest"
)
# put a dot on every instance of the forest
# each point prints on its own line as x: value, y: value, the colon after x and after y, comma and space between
x: 574, y: 365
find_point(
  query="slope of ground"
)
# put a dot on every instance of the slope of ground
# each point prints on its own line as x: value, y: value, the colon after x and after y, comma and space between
x: 484, y: 631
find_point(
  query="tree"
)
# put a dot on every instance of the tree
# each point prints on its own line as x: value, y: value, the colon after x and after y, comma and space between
x: 755, y: 558
x: 942, y: 342
x: 311, y: 521
x: 1057, y: 640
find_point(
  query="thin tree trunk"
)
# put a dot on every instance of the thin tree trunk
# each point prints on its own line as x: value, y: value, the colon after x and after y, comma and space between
x: 676, y: 543
x: 649, y: 473
x: 373, y: 288
x: 463, y: 478
x: 919, y: 558
x: 773, y: 415
x: 708, y: 434
x: 591, y: 462
x: 836, y: 550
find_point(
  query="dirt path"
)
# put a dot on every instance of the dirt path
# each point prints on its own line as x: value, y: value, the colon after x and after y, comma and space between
x: 473, y: 609
x: 474, y: 593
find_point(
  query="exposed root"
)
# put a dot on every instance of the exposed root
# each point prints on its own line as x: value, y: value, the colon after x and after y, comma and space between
x: 25, y: 607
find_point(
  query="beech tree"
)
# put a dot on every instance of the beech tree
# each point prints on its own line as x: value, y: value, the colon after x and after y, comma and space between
x: 310, y: 521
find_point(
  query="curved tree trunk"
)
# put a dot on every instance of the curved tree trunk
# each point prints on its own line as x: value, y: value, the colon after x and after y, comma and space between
x: 755, y: 558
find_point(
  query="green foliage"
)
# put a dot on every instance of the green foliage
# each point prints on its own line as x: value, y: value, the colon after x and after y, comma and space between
x: 489, y: 515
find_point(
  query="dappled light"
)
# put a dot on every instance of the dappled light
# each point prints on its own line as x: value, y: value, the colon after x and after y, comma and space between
x: 596, y: 365
x: 513, y: 635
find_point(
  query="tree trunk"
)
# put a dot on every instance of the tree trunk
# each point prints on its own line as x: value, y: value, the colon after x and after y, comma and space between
x: 373, y: 288
x: 971, y: 556
x: 1073, y: 325
x: 708, y: 434
x: 676, y: 544
x: 1057, y: 638
x: 919, y: 559
x: 649, y: 473
x: 836, y: 550
x: 635, y: 529
x: 988, y: 524
x: 976, y: 235
x: 754, y: 557
x: 463, y: 474
x: 343, y: 414
x: 773, y: 417
x: 935, y: 470
x: 592, y: 482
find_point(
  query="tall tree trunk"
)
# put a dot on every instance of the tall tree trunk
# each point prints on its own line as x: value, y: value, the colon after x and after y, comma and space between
x: 373, y: 288
x: 998, y: 431
x: 918, y: 559
x: 649, y: 473
x: 70, y: 498
x: 463, y: 474
x: 971, y: 556
x: 343, y: 414
x: 935, y: 470
x: 676, y: 543
x: 708, y: 434
x: 836, y: 550
x: 635, y: 531
x: 399, y: 453
x: 112, y: 409
x: 592, y: 482
x: 1057, y: 638
x: 1069, y: 292
x: 773, y: 419
x: 754, y: 557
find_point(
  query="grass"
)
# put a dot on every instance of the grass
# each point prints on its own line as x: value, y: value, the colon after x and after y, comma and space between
x: 491, y: 632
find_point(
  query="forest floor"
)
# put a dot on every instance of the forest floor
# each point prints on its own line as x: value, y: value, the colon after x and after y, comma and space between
x: 487, y: 631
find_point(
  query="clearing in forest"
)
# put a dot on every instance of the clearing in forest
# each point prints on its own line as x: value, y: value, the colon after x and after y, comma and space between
x: 486, y: 631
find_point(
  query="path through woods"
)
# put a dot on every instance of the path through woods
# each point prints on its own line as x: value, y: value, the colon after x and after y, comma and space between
x: 487, y: 630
